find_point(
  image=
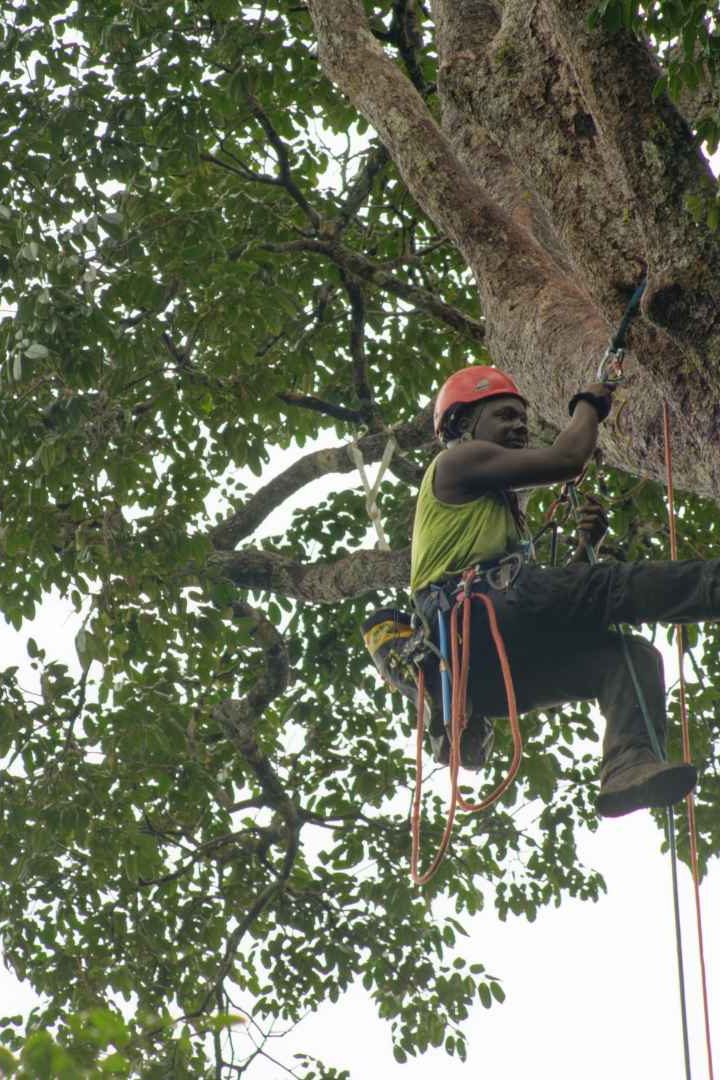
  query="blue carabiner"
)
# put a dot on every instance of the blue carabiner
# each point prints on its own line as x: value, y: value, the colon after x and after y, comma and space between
x: 445, y: 677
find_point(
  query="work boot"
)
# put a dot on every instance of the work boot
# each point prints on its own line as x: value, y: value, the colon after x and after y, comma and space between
x: 387, y: 633
x: 639, y: 780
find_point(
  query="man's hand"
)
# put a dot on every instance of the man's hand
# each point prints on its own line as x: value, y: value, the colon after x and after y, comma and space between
x: 592, y: 527
x: 598, y: 396
x: 600, y: 389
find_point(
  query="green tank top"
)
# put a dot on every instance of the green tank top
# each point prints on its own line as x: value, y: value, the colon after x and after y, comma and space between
x: 449, y: 538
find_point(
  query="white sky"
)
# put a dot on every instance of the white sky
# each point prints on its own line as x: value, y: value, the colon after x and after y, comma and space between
x: 591, y: 988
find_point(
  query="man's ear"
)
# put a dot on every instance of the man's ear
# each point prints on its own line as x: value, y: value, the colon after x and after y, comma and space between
x: 465, y: 422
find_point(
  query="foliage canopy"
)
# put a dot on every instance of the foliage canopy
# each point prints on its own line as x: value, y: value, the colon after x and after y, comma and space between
x: 207, y: 258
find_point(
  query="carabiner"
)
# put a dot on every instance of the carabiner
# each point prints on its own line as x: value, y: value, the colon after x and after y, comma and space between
x: 610, y: 370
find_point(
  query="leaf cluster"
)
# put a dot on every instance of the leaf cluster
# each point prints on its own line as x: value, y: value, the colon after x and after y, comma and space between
x: 685, y: 35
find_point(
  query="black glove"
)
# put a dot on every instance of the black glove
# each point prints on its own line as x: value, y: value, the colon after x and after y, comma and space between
x: 600, y: 404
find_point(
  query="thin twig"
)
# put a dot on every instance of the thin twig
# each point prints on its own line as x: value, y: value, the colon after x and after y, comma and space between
x: 283, y: 158
x: 361, y: 186
x: 376, y: 274
x: 338, y: 412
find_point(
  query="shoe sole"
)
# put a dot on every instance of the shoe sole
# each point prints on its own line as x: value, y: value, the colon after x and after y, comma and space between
x: 664, y: 789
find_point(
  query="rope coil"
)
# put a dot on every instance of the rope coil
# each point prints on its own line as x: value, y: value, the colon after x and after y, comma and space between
x: 460, y: 675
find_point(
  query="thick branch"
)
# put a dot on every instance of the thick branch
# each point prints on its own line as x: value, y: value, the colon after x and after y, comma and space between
x: 535, y: 304
x: 653, y: 151
x: 318, y: 583
x: 418, y: 432
x: 432, y: 171
x: 703, y: 101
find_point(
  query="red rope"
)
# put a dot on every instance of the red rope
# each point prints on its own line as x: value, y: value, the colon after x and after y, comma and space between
x: 460, y: 675
x: 417, y: 877
x: 459, y: 719
x: 692, y: 827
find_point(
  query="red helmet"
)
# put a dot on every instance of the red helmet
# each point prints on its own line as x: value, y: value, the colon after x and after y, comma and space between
x: 471, y: 384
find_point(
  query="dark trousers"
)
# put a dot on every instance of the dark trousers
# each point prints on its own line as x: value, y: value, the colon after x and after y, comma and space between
x: 556, y: 621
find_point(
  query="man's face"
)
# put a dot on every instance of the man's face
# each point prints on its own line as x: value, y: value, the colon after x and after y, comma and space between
x: 501, y: 420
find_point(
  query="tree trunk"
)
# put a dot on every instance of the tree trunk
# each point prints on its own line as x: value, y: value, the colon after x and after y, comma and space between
x: 563, y: 183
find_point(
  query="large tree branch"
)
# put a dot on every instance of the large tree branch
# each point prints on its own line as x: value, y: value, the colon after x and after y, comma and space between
x: 508, y: 80
x: 660, y: 167
x: 428, y: 163
x: 317, y: 583
x: 244, y: 521
x: 699, y: 102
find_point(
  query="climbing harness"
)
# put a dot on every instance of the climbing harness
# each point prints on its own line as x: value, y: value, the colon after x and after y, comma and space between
x: 371, y: 492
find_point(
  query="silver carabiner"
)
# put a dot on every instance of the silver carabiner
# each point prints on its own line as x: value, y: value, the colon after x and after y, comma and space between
x: 610, y: 369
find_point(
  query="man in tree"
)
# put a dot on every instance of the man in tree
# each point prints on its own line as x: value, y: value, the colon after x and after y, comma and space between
x: 554, y: 620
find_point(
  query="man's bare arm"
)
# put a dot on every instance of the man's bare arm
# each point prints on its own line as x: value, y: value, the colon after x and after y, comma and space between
x: 470, y: 468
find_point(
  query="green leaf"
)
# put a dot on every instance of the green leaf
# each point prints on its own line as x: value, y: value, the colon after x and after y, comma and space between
x: 36, y: 351
x: 116, y: 1064
x: 8, y: 1064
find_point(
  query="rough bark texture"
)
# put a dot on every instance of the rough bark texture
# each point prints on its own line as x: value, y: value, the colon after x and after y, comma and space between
x: 319, y: 582
x: 562, y: 182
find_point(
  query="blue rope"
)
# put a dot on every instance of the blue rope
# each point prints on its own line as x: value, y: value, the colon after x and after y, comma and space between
x: 618, y: 342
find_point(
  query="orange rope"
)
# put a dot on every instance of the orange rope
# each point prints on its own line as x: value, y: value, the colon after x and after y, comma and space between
x: 692, y: 828
x: 459, y: 719
x: 460, y: 675
x: 417, y: 877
